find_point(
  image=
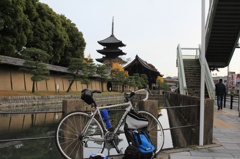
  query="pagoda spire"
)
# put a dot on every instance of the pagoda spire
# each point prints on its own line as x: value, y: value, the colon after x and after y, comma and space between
x: 112, y: 25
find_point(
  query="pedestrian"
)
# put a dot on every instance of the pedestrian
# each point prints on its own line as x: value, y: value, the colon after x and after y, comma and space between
x: 220, y: 93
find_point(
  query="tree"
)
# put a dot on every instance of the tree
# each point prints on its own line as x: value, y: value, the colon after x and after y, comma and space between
x: 75, y: 45
x: 119, y: 77
x: 77, y: 69
x: 131, y: 82
x: 15, y: 27
x: 103, y: 73
x: 138, y: 80
x: 90, y: 70
x: 144, y: 80
x: 35, y: 60
x: 161, y: 83
x: 32, y: 24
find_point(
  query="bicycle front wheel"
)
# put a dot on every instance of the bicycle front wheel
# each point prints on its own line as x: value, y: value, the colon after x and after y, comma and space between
x: 72, y: 142
x: 155, y: 130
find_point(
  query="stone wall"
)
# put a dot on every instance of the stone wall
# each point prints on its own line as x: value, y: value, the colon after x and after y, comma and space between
x: 186, y: 116
x: 46, y: 103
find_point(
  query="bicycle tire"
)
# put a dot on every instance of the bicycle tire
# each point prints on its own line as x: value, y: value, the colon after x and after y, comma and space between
x: 70, y: 140
x: 155, y: 130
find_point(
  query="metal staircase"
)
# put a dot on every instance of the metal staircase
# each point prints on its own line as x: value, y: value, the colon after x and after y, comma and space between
x: 189, y: 73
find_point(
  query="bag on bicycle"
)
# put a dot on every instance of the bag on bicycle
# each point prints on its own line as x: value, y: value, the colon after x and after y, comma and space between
x: 141, y: 140
x: 87, y: 96
x: 132, y: 152
x: 135, y: 121
x: 140, y: 146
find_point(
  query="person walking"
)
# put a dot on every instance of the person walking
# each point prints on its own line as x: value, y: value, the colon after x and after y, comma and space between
x: 220, y: 93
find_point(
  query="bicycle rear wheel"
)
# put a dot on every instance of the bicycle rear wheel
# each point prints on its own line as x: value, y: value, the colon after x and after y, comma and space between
x: 155, y: 130
x: 71, y: 141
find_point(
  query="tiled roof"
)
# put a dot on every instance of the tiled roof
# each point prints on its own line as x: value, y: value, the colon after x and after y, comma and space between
x: 144, y: 64
x: 19, y: 62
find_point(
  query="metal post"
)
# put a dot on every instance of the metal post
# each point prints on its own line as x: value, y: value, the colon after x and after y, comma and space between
x: 227, y: 79
x: 239, y: 102
x: 201, y: 130
x: 231, y: 102
x: 224, y: 101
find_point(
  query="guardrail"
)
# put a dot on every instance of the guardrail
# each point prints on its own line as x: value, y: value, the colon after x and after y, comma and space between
x: 208, y: 77
x: 181, y: 73
x: 232, y: 101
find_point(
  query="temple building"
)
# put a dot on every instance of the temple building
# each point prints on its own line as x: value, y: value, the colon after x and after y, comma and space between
x: 142, y: 67
x: 111, y: 50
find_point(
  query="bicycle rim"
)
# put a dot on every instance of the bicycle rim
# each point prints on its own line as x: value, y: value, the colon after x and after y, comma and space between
x: 72, y: 143
x: 155, y: 130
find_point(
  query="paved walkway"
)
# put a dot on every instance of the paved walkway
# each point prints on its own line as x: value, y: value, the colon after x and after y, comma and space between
x: 226, y: 140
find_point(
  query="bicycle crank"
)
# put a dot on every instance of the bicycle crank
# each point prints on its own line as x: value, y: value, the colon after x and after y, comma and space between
x: 112, y: 140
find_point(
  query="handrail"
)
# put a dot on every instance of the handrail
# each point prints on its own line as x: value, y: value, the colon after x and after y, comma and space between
x: 208, y: 78
x: 181, y: 73
x: 211, y: 12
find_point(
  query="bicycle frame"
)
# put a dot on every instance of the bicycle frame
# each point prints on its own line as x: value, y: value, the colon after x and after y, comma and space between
x: 83, y: 132
x: 98, y: 109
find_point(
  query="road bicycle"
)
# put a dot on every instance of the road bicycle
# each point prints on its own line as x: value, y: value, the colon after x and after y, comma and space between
x: 82, y: 133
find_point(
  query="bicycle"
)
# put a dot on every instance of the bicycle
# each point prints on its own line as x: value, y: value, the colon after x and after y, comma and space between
x: 83, y: 133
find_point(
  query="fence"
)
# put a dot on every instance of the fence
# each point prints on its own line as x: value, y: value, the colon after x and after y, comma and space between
x: 232, y: 101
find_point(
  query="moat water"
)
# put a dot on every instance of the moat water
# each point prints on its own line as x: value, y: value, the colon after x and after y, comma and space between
x: 29, y: 126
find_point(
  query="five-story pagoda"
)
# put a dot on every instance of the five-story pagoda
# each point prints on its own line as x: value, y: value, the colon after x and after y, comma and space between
x: 111, y: 50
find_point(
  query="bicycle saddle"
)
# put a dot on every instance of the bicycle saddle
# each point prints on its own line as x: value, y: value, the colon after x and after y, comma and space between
x: 87, y: 95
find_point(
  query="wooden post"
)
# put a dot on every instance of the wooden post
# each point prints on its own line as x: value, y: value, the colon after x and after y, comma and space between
x: 152, y: 107
x: 69, y: 106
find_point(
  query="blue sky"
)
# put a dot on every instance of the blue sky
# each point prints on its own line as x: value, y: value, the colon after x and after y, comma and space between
x: 151, y: 29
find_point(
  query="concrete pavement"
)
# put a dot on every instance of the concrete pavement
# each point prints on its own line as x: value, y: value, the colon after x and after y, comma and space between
x: 226, y: 140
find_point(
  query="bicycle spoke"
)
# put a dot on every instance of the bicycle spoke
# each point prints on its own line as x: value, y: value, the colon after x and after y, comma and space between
x: 73, y: 144
x: 69, y: 128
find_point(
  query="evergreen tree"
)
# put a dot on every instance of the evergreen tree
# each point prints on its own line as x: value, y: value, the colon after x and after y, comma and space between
x: 131, y: 82
x: 103, y: 73
x: 144, y: 80
x: 35, y: 60
x: 78, y: 70
x: 32, y: 24
x: 90, y: 71
x: 15, y: 27
x: 137, y: 80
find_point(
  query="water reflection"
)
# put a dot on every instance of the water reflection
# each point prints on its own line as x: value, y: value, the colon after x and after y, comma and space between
x: 165, y: 124
x: 34, y: 149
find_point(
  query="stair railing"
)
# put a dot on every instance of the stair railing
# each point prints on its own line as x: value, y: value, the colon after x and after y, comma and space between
x: 181, y: 73
x: 208, y: 78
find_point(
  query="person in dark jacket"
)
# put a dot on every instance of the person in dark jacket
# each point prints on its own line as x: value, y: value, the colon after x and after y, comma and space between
x: 220, y: 93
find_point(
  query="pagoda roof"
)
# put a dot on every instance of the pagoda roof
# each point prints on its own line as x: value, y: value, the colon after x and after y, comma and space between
x: 115, y: 51
x: 111, y: 40
x: 104, y: 59
x: 144, y: 64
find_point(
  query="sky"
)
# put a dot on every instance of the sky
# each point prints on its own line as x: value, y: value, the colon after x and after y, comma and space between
x: 151, y: 29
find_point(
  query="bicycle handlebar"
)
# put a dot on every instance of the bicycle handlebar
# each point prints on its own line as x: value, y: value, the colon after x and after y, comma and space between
x: 87, y: 95
x: 145, y: 90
